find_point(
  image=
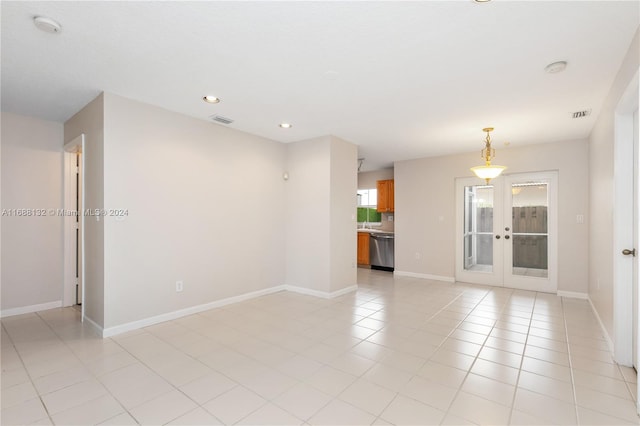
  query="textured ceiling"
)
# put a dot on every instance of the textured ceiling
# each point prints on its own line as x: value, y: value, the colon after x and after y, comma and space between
x: 400, y: 79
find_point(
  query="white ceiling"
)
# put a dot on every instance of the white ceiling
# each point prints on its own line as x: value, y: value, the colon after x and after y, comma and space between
x: 400, y: 79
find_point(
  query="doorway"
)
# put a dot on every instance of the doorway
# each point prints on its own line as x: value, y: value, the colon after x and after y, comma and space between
x: 78, y: 244
x: 626, y: 228
x: 74, y: 224
x: 635, y: 229
x: 506, y: 233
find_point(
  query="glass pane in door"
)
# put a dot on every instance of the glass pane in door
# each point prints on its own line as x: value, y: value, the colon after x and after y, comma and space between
x: 478, y: 228
x: 530, y: 232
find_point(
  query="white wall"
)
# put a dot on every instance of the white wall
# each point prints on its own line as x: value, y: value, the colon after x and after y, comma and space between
x: 206, y: 206
x: 425, y: 208
x: 32, y: 248
x: 307, y: 214
x: 320, y: 225
x: 601, y: 148
x: 367, y: 180
x: 90, y: 121
x: 343, y: 186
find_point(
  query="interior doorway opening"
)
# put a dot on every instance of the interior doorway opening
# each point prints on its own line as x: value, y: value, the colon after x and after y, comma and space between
x: 78, y: 244
x: 73, y: 216
x: 626, y: 232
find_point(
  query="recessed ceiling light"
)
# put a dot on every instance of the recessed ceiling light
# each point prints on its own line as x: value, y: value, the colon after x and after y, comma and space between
x: 210, y: 99
x: 286, y: 125
x: 556, y: 67
x: 47, y: 25
x: 482, y: 1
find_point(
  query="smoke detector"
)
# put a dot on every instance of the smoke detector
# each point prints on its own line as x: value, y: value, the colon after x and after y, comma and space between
x: 556, y: 67
x: 47, y: 25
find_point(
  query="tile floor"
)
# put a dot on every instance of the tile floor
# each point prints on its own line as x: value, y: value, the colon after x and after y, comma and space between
x: 397, y: 351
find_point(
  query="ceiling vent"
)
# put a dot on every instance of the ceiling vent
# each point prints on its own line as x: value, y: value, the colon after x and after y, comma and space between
x: 220, y: 119
x: 580, y: 114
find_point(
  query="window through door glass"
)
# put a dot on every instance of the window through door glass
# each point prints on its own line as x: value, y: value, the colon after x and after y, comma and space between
x: 478, y: 228
x: 530, y: 229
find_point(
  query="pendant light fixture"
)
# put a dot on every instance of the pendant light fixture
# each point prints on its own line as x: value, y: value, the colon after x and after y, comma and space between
x: 488, y: 172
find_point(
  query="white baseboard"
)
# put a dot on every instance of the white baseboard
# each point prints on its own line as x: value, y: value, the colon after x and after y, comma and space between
x: 424, y: 276
x: 604, y: 329
x: 96, y: 327
x: 134, y: 325
x: 573, y: 294
x: 29, y: 309
x: 318, y: 293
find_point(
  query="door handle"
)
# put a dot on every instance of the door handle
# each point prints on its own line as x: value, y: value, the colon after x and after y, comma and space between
x: 628, y: 252
x: 497, y: 237
x: 506, y: 237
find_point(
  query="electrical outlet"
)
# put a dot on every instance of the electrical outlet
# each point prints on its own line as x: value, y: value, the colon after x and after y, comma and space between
x: 179, y: 286
x: 418, y: 255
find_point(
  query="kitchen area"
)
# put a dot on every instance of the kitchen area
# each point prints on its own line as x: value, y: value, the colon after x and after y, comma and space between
x: 375, y: 220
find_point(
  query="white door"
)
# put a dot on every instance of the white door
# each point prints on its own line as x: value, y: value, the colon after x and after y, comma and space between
x: 625, y: 229
x: 530, y: 231
x: 73, y: 289
x: 79, y: 239
x: 636, y: 211
x: 479, y: 251
x: 507, y: 231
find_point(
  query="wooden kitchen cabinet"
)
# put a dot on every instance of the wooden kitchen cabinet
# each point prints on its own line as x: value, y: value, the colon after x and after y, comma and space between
x: 363, y: 248
x: 385, y: 196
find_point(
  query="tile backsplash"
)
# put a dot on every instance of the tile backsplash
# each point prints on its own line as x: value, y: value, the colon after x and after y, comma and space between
x: 387, y: 222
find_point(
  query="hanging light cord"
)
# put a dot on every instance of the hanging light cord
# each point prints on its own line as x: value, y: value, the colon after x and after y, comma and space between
x: 488, y: 153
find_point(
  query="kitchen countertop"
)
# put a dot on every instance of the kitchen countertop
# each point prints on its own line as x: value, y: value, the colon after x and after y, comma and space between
x: 374, y: 231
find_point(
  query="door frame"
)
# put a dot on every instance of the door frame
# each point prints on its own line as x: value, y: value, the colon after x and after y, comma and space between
x: 71, y: 151
x: 622, y: 222
x: 502, y: 190
x: 495, y: 277
x: 552, y: 231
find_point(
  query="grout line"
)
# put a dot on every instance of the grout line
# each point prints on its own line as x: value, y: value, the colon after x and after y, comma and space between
x: 628, y: 385
x: 524, y: 349
x: 477, y: 295
x: 144, y: 364
x: 26, y: 370
x: 573, y: 381
x: 80, y: 362
x: 238, y: 384
x: 499, y: 315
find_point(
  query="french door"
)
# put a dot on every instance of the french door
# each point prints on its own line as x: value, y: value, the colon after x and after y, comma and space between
x: 506, y: 233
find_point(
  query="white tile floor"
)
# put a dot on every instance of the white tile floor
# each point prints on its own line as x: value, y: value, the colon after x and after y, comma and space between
x: 397, y: 351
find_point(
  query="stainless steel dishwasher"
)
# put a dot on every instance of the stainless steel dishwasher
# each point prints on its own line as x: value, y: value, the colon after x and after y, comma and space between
x: 381, y: 251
